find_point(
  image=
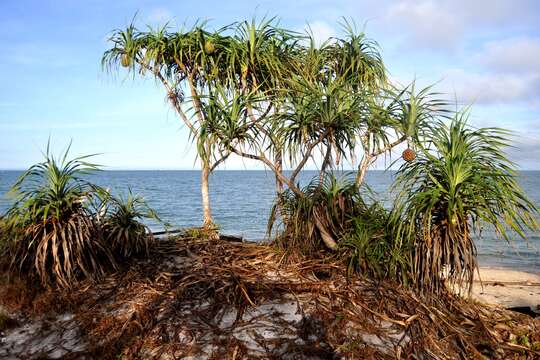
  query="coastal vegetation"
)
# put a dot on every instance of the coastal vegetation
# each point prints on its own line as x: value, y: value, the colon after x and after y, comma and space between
x: 269, y: 94
x: 461, y: 184
x: 62, y: 227
x: 276, y: 96
x: 349, y: 261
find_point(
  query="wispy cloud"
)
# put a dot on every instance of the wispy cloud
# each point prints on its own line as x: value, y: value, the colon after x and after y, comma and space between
x: 426, y: 24
x: 526, y: 150
x: 501, y: 72
x: 491, y: 88
x: 514, y: 55
x: 445, y: 24
x: 320, y: 30
x: 159, y: 15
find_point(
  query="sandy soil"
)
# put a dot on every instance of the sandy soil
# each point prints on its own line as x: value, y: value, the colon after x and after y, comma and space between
x: 508, y: 288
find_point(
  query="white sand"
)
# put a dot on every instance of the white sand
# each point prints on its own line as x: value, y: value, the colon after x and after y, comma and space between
x: 508, y: 288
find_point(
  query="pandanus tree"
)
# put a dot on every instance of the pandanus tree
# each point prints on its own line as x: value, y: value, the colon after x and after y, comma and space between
x: 332, y: 99
x: 245, y: 57
x: 272, y: 95
x: 181, y: 61
x: 298, y: 99
x: 62, y: 228
x: 328, y: 100
x: 462, y: 183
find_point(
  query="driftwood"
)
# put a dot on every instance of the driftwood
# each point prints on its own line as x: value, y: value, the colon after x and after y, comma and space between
x: 224, y: 237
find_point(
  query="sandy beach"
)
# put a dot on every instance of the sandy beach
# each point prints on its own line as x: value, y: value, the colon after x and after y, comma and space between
x: 507, y: 287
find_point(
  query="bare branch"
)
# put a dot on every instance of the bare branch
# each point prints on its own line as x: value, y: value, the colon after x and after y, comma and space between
x: 170, y: 90
x: 389, y: 146
x: 308, y: 154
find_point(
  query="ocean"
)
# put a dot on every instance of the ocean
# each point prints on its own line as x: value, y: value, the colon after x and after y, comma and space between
x: 241, y: 203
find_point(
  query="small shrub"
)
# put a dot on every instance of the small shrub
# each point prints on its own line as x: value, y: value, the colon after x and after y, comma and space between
x: 463, y: 183
x: 62, y: 228
x: 333, y: 211
x: 318, y: 218
x: 53, y: 231
x: 122, y: 226
x: 205, y: 232
x: 372, y: 248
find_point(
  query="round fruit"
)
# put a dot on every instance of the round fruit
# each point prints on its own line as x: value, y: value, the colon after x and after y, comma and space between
x: 209, y: 47
x: 408, y: 155
x: 125, y: 60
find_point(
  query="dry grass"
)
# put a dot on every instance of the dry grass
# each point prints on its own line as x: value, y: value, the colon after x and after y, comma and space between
x: 223, y: 300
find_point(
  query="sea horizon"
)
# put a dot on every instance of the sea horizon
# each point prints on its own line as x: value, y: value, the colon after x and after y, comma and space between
x: 241, y: 204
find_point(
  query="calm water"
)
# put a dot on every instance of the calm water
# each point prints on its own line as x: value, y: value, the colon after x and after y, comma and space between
x: 241, y: 201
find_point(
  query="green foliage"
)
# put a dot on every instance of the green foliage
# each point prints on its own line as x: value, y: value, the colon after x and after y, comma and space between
x: 122, y: 226
x: 273, y: 95
x: 54, y: 233
x: 269, y: 90
x: 461, y: 184
x: 334, y: 209
x: 372, y: 248
x: 55, y: 230
x: 317, y: 217
x: 205, y: 232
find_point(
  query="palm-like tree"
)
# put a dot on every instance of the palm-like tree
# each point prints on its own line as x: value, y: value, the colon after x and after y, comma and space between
x: 62, y: 227
x: 175, y: 60
x: 265, y: 93
x: 462, y: 183
x: 120, y: 220
x: 243, y: 57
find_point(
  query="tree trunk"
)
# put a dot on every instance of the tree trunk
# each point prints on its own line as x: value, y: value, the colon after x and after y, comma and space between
x: 207, y: 213
x: 363, y: 167
x: 325, y: 163
x: 279, y: 166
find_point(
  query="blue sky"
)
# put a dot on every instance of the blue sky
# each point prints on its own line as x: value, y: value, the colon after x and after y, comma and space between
x: 485, y: 53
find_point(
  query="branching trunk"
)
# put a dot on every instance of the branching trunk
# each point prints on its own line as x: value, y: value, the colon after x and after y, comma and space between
x: 370, y: 157
x: 363, y: 167
x: 326, y: 161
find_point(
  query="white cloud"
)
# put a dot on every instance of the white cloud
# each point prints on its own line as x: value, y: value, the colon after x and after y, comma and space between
x: 491, y: 88
x: 526, y: 150
x: 510, y: 73
x: 516, y: 55
x: 320, y: 30
x: 444, y: 24
x: 427, y: 22
x: 160, y: 15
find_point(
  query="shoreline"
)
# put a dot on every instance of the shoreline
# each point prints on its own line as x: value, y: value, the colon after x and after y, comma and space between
x: 507, y: 287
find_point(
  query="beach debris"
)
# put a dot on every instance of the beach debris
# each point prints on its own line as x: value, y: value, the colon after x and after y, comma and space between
x: 213, y: 299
